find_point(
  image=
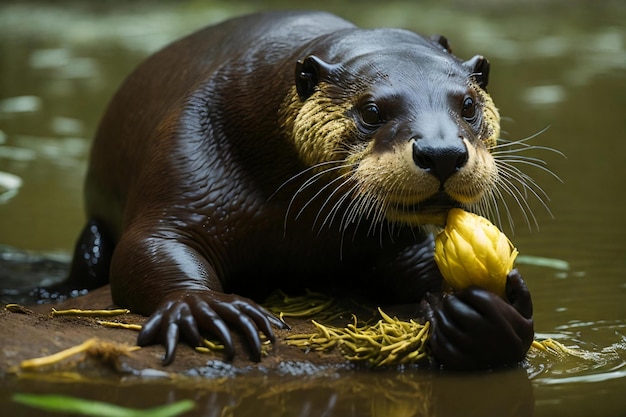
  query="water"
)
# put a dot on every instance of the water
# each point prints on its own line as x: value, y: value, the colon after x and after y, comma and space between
x: 561, y: 67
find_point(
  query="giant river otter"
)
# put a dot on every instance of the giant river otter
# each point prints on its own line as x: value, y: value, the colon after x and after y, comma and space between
x: 292, y: 151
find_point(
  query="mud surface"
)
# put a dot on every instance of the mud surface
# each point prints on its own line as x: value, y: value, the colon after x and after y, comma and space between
x: 35, y: 332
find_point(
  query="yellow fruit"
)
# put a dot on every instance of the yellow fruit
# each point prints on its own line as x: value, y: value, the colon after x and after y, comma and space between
x: 470, y: 250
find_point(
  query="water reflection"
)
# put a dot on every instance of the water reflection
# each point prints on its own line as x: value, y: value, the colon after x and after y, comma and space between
x: 9, y: 186
x: 405, y: 394
x: 19, y: 104
x: 322, y: 391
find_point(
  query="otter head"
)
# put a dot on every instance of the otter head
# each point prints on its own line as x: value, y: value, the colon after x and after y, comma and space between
x: 401, y: 128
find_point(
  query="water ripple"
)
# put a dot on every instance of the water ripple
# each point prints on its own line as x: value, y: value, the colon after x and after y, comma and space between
x: 586, y: 362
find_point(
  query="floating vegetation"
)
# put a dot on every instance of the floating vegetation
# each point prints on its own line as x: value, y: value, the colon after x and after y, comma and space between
x: 558, y: 264
x: 553, y: 347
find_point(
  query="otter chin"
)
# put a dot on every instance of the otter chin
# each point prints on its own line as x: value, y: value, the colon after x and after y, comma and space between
x: 294, y: 150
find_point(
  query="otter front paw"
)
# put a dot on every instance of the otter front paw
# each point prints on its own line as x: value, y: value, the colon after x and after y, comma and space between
x: 187, y: 315
x: 476, y: 329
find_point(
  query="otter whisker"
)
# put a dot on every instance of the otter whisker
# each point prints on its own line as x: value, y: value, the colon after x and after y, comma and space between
x: 379, y: 209
x: 504, y: 183
x: 520, y: 198
x: 373, y: 207
x: 395, y: 188
x: 355, y: 207
x: 349, y: 214
x: 314, y: 179
x: 299, y: 174
x: 402, y: 193
x: 352, y: 214
x: 506, y: 142
x: 405, y: 194
x: 509, y: 214
x: 507, y: 182
x: 497, y: 199
x: 355, y: 211
x: 304, y: 185
x: 381, y: 204
x: 508, y: 156
x: 493, y: 208
x: 532, y: 162
x: 491, y: 203
x: 358, y: 208
x: 330, y: 217
x: 527, y: 182
x: 487, y: 207
x: 309, y: 182
x: 347, y: 178
x: 506, y: 148
x: 518, y: 175
x: 379, y: 215
x: 509, y: 148
x: 361, y: 208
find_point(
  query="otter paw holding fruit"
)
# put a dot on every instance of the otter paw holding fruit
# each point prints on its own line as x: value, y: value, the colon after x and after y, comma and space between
x: 475, y: 328
x: 487, y: 321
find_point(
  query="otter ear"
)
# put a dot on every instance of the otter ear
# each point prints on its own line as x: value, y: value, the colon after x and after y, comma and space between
x: 478, y: 66
x: 442, y: 41
x: 309, y: 72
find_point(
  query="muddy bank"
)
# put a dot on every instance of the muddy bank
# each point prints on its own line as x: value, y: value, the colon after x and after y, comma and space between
x: 35, y: 333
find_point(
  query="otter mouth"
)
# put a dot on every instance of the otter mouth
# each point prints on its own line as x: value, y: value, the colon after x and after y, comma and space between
x: 433, y: 210
x: 440, y: 202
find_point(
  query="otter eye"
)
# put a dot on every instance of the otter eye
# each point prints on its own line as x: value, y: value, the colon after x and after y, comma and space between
x: 469, y: 109
x: 371, y: 115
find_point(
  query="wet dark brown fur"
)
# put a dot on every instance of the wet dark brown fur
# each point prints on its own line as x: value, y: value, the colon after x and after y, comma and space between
x: 294, y: 150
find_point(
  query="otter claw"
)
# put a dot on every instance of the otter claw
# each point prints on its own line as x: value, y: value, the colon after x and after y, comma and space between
x: 272, y: 320
x: 252, y: 336
x: 171, y: 340
x: 185, y: 316
x: 211, y: 321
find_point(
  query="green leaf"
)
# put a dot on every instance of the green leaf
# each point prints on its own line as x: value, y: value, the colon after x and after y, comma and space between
x: 66, y: 404
x: 557, y: 264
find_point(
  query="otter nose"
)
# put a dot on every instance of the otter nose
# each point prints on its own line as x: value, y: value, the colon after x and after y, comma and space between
x: 441, y: 160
